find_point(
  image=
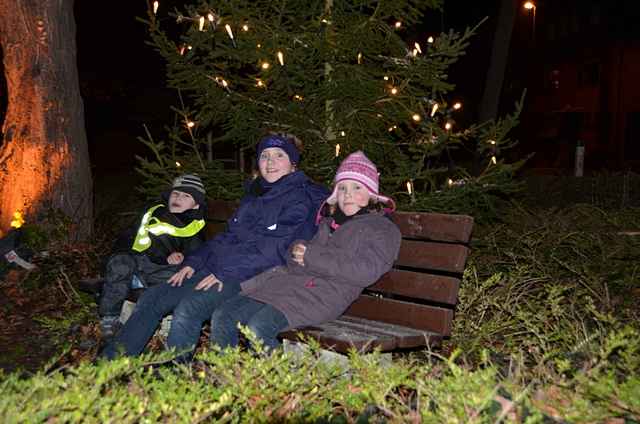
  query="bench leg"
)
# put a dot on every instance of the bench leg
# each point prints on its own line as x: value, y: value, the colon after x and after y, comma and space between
x: 327, y: 356
x: 127, y: 310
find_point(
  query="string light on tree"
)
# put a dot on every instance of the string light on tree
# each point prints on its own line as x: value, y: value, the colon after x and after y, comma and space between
x: 416, y: 117
x: 227, y: 27
x: 398, y: 24
x: 457, y: 106
x: 417, y: 47
x: 448, y: 126
x: 298, y: 97
x: 430, y: 40
x: 386, y: 78
x: 156, y: 4
x: 280, y: 58
x: 359, y: 58
x: 190, y: 124
x: 245, y: 28
x: 434, y: 109
x: 178, y: 164
x: 391, y: 129
x: 201, y: 23
x: 260, y: 83
x: 337, y: 150
x: 265, y: 65
x: 393, y: 91
x: 410, y: 187
x: 343, y: 134
x: 494, y: 160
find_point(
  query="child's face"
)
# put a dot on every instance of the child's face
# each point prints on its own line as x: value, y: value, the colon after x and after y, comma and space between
x: 274, y: 163
x: 352, y: 196
x: 179, y: 201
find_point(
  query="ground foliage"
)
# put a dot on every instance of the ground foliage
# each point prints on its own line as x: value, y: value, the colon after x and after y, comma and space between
x: 546, y: 331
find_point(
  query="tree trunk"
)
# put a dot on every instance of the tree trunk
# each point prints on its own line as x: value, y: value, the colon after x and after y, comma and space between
x: 498, y: 64
x: 44, y: 158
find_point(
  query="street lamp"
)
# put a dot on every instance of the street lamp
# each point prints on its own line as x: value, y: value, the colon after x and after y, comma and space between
x: 529, y: 5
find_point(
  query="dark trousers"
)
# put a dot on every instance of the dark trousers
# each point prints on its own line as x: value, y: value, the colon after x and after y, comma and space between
x: 119, y: 273
x: 263, y: 320
x: 190, y: 308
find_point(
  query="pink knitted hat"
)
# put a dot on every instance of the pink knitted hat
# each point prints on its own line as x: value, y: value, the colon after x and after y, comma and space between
x: 359, y: 168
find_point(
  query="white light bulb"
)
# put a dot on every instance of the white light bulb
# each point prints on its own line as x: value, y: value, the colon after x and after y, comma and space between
x: 155, y: 7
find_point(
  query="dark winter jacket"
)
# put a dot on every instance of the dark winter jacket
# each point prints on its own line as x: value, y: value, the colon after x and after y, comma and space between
x: 261, y: 230
x: 337, y: 267
x: 164, y: 245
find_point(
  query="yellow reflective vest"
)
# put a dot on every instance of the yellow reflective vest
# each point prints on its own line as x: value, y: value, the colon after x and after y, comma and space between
x: 152, y: 225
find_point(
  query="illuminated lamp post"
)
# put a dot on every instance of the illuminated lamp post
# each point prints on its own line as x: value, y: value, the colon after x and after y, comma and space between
x: 531, y: 6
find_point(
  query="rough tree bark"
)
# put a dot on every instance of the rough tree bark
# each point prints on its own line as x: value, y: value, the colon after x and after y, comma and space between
x: 44, y: 158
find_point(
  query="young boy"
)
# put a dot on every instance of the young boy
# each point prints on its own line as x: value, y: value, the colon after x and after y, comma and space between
x: 151, y: 252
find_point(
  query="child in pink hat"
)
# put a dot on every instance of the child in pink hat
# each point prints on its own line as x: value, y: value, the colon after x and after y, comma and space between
x: 355, y: 245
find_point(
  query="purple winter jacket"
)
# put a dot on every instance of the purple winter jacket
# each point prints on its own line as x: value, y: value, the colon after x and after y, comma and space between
x: 337, y: 267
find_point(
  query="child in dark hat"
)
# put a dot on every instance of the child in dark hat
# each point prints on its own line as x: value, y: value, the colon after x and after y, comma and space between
x: 152, y: 251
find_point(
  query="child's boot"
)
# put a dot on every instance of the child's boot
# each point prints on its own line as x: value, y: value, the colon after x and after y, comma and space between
x: 109, y: 326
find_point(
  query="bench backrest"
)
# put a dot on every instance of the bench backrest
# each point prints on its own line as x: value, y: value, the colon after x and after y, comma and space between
x: 421, y: 290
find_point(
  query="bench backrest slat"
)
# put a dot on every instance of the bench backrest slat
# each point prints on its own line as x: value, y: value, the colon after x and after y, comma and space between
x: 428, y: 287
x: 426, y: 255
x: 435, y: 226
x: 413, y: 315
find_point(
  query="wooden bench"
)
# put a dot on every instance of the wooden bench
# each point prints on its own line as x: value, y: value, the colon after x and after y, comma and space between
x: 411, y: 306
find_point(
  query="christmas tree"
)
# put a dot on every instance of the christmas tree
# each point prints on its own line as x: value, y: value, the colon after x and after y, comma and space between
x: 341, y: 76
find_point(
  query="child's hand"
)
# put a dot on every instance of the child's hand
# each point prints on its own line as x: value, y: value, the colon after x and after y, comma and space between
x: 177, y: 278
x: 209, y: 281
x: 175, y: 258
x: 297, y: 253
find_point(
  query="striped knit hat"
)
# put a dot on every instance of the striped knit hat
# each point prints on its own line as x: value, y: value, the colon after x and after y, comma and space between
x: 359, y: 168
x: 192, y: 184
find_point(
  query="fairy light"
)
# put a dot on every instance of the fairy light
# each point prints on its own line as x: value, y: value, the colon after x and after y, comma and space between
x: 494, y: 160
x: 359, y: 58
x: 280, y: 58
x: 448, y: 126
x: 410, y: 187
x: 182, y: 50
x: 386, y: 78
x: 201, y: 23
x: 260, y: 83
x: 178, y: 164
x: 430, y: 40
x: 265, y: 65
x: 398, y: 24
x: 245, y: 27
x: 298, y: 97
x: 393, y: 128
x: 191, y: 124
x: 450, y: 182
x: 417, y: 46
x: 343, y: 134
x: 337, y: 150
x: 229, y: 32
x: 259, y: 45
x: 457, y: 105
x: 156, y: 4
x: 394, y: 91
x: 211, y: 17
x: 434, y: 109
x: 416, y: 117
x: 493, y: 142
x: 414, y: 53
